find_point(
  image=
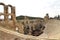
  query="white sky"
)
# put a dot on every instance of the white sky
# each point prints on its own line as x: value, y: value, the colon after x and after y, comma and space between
x: 36, y: 8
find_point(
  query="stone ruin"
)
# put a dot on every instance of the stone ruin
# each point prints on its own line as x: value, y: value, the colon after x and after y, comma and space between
x: 36, y: 28
x: 33, y: 29
x: 52, y: 27
x: 12, y: 23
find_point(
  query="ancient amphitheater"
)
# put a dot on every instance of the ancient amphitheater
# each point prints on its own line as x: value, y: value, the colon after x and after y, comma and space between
x: 8, y: 27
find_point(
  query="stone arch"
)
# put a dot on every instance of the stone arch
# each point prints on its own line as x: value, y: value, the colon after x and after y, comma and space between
x: 12, y: 11
x: 12, y: 14
x: 5, y: 10
x: 10, y: 7
x: 2, y: 4
x: 9, y: 11
x: 6, y: 21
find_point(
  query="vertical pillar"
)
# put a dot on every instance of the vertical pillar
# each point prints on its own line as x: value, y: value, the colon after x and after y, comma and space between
x: 11, y: 13
x: 13, y: 16
x: 6, y: 14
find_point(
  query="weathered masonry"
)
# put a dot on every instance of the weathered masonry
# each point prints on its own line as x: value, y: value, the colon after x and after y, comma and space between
x: 12, y: 22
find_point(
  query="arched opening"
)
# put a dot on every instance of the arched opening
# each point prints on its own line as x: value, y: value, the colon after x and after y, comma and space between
x: 2, y: 11
x: 1, y: 8
x: 9, y: 10
x: 9, y: 17
x: 2, y: 17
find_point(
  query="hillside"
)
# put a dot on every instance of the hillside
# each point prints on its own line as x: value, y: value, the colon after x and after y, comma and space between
x: 22, y: 17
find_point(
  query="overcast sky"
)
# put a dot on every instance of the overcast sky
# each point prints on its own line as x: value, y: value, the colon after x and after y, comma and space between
x: 36, y: 8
